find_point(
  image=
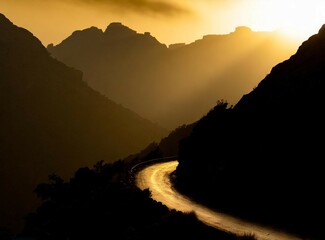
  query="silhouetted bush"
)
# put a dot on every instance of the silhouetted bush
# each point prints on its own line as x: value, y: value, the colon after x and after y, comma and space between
x: 5, y: 234
x: 97, y: 203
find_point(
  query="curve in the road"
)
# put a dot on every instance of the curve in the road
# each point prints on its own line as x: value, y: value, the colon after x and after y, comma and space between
x: 156, y: 178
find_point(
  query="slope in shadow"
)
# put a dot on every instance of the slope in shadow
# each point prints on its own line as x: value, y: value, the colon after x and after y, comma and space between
x: 52, y: 121
x: 262, y: 159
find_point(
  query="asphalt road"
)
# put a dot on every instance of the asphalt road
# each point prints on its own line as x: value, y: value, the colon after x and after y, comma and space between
x: 156, y: 178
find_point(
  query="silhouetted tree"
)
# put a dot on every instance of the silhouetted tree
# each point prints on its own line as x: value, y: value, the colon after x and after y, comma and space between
x: 97, y: 204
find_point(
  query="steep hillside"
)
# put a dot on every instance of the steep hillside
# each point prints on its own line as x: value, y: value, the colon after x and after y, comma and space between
x: 52, y: 121
x: 172, y: 85
x: 262, y: 159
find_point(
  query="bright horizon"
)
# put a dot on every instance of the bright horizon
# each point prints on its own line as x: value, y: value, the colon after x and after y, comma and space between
x: 170, y: 21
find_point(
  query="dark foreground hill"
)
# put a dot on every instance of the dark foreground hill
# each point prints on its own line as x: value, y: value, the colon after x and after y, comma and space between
x: 52, y: 121
x: 172, y: 85
x: 263, y: 158
x: 102, y: 202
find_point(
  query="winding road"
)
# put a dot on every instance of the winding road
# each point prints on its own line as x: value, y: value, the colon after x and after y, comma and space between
x: 156, y: 178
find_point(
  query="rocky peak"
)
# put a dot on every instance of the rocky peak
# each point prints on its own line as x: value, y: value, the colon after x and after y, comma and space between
x: 4, y: 20
x: 313, y: 48
x: 118, y: 30
x: 87, y: 35
x: 322, y: 30
x: 243, y: 29
x: 26, y: 45
x: 88, y: 31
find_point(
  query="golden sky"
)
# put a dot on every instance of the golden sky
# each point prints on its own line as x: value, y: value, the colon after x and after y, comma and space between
x: 170, y: 21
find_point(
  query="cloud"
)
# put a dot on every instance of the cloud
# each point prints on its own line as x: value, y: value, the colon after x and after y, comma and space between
x: 161, y: 7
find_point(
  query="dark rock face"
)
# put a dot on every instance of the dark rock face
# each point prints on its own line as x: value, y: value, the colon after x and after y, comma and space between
x: 261, y: 159
x: 53, y: 122
x: 294, y: 84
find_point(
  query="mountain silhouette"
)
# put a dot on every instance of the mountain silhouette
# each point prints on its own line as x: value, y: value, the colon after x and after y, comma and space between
x: 172, y: 85
x: 53, y: 122
x: 261, y: 158
x: 296, y: 82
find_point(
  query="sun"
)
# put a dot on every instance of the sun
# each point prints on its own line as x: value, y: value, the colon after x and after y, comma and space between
x: 296, y: 18
x: 299, y: 18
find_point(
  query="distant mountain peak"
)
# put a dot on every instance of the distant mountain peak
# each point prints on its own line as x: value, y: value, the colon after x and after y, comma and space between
x: 243, y: 30
x: 88, y: 30
x: 10, y: 35
x: 3, y: 19
x: 117, y: 29
x: 87, y: 33
x: 322, y: 30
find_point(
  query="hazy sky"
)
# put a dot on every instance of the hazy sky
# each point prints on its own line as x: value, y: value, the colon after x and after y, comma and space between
x: 170, y: 21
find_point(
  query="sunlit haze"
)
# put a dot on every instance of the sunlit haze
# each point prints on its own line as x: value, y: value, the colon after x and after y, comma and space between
x: 97, y: 96
x: 170, y: 21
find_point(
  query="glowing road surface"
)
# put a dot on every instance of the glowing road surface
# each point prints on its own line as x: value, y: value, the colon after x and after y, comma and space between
x: 156, y: 178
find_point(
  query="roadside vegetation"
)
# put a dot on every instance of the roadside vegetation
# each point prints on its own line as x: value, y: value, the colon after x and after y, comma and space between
x: 99, y: 203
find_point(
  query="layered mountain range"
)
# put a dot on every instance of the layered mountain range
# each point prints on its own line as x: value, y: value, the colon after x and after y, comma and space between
x: 53, y: 122
x: 176, y: 84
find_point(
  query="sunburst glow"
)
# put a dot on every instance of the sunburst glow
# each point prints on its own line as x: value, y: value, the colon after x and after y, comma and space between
x: 178, y: 21
x: 298, y: 18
